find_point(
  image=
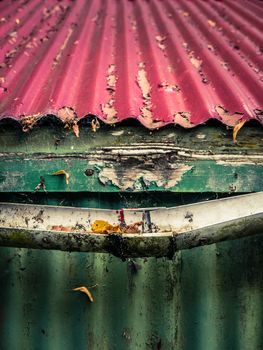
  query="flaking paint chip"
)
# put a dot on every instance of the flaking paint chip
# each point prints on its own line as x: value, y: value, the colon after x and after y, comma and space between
x: 211, y: 23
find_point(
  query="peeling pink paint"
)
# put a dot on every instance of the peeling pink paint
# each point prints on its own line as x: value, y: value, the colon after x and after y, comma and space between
x: 196, y: 59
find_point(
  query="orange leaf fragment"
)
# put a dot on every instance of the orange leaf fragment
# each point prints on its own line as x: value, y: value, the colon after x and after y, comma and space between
x: 85, y: 291
x: 236, y: 129
x: 95, y: 125
x: 75, y: 129
x: 62, y: 172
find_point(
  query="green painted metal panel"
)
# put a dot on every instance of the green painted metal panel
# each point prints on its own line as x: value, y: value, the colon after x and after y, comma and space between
x: 23, y: 176
x: 206, y: 298
x: 132, y: 160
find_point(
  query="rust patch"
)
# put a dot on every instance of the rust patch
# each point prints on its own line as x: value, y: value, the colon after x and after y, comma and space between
x: 69, y: 117
x: 160, y: 41
x: 109, y: 111
x: 62, y: 48
x: 211, y: 23
x: 145, y: 87
x: 197, y: 63
x: 28, y: 121
x: 183, y: 119
x: 108, y: 108
x: 104, y: 227
x: 111, y: 78
x: 143, y: 82
x: 169, y: 87
x: 134, y: 178
x: 228, y: 118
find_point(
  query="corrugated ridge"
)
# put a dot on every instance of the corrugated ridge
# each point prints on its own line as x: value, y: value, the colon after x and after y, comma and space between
x: 159, y: 62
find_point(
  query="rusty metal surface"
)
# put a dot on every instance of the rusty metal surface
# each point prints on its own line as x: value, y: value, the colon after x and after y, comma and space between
x: 160, y: 62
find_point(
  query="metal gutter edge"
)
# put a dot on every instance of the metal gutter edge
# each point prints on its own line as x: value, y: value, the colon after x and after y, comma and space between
x: 133, y: 245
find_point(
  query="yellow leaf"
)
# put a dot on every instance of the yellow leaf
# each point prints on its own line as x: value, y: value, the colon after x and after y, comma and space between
x: 236, y: 129
x: 85, y: 291
x: 62, y: 172
x: 101, y: 226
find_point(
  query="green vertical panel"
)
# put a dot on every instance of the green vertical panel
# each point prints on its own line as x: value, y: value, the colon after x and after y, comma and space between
x: 221, y: 296
x: 132, y: 310
x: 206, y: 298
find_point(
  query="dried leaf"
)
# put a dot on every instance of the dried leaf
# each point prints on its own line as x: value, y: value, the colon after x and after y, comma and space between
x: 75, y: 129
x: 62, y: 172
x: 236, y: 129
x: 61, y: 228
x: 101, y: 226
x: 95, y: 125
x: 85, y: 291
x: 132, y: 228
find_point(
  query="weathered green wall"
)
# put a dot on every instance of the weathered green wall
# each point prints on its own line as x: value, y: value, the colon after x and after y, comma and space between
x: 206, y: 298
x: 132, y: 159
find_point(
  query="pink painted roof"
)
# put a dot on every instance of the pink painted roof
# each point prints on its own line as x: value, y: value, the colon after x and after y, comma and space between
x: 161, y: 62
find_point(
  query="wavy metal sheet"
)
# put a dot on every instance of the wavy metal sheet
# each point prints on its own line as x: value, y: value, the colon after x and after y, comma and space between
x: 160, y: 62
x: 207, y: 298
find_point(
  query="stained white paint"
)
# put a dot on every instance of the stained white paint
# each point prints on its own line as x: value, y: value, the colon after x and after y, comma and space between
x: 177, y: 220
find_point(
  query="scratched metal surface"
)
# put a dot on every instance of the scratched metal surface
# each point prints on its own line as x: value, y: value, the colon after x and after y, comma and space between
x: 160, y: 62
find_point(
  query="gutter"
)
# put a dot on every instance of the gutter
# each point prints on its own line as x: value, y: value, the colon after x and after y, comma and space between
x: 162, y: 231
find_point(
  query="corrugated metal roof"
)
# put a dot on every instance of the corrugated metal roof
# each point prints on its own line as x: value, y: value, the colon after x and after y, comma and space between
x: 160, y: 62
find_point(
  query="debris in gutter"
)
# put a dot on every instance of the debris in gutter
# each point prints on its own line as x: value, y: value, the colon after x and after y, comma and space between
x: 101, y: 226
x: 62, y: 172
x: 104, y: 227
x: 61, y: 228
